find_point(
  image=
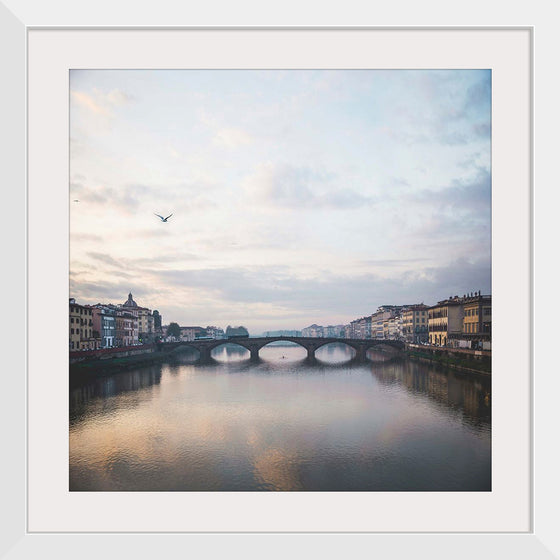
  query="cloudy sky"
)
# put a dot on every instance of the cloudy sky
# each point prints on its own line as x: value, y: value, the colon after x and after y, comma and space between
x: 298, y: 197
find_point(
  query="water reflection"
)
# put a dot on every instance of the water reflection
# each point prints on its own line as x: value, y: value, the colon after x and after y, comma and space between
x: 281, y: 424
x: 229, y: 352
x: 102, y: 388
x: 283, y: 352
x: 335, y: 353
x: 466, y: 394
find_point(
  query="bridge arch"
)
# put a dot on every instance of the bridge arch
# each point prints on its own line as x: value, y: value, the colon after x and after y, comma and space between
x: 326, y: 343
x: 227, y: 346
x: 227, y: 342
x: 177, y: 347
x: 341, y: 341
x: 273, y: 346
x: 292, y: 341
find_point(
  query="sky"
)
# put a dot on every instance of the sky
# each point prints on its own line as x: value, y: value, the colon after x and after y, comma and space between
x: 298, y: 196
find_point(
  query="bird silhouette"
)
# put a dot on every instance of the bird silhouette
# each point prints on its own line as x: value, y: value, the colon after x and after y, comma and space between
x: 162, y: 218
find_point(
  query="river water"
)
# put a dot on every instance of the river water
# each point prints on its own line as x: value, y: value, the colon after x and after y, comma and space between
x: 281, y: 424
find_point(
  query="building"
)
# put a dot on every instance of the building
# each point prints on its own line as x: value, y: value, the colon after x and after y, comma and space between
x: 477, y: 322
x: 146, y: 333
x: 361, y: 328
x: 105, y: 324
x: 192, y: 333
x: 81, y: 336
x: 313, y: 331
x: 378, y: 319
x: 392, y: 328
x: 126, y: 327
x: 415, y: 323
x: 445, y: 319
x: 214, y: 332
x: 462, y: 322
x: 333, y: 331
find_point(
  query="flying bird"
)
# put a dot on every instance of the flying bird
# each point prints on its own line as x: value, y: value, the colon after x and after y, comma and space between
x: 162, y: 218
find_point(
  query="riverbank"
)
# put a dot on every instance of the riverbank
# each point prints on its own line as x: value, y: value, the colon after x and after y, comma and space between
x: 88, y: 369
x: 481, y: 365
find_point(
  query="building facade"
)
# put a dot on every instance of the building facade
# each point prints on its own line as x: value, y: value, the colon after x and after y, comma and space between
x: 445, y: 319
x: 215, y: 332
x: 81, y: 336
x: 126, y: 328
x: 105, y: 324
x: 477, y: 323
x: 393, y: 328
x: 383, y: 313
x: 313, y: 331
x: 415, y: 323
x: 146, y: 334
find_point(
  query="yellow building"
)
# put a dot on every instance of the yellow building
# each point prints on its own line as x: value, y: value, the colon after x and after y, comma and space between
x: 145, y: 325
x: 477, y: 321
x: 415, y: 323
x: 81, y: 335
x: 445, y: 319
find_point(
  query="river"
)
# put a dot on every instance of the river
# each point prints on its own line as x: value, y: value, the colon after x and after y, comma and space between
x: 281, y: 424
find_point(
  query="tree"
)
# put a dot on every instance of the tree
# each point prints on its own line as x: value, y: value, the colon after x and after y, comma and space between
x: 174, y: 330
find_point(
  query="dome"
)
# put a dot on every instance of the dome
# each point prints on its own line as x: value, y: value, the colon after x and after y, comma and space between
x: 130, y: 302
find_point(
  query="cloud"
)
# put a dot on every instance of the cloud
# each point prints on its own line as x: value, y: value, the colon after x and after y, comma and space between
x: 78, y: 237
x: 394, y: 262
x: 105, y: 291
x: 232, y: 137
x: 472, y: 194
x: 100, y: 103
x: 125, y: 198
x: 447, y: 109
x: 479, y: 95
x: 141, y: 264
x: 301, y: 187
x: 327, y: 294
x: 87, y: 101
x: 106, y: 259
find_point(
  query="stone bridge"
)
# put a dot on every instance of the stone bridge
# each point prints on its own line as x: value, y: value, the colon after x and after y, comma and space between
x: 206, y: 346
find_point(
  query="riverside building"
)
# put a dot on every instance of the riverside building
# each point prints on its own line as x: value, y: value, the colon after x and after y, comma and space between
x: 415, y: 323
x: 81, y: 335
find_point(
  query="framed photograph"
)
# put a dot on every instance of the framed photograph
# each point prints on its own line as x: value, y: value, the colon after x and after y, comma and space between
x: 55, y: 86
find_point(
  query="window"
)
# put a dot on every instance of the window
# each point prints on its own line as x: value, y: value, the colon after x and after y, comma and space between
x: 71, y: 331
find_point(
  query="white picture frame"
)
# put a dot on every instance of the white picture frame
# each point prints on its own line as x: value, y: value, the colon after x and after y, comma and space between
x: 538, y: 541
